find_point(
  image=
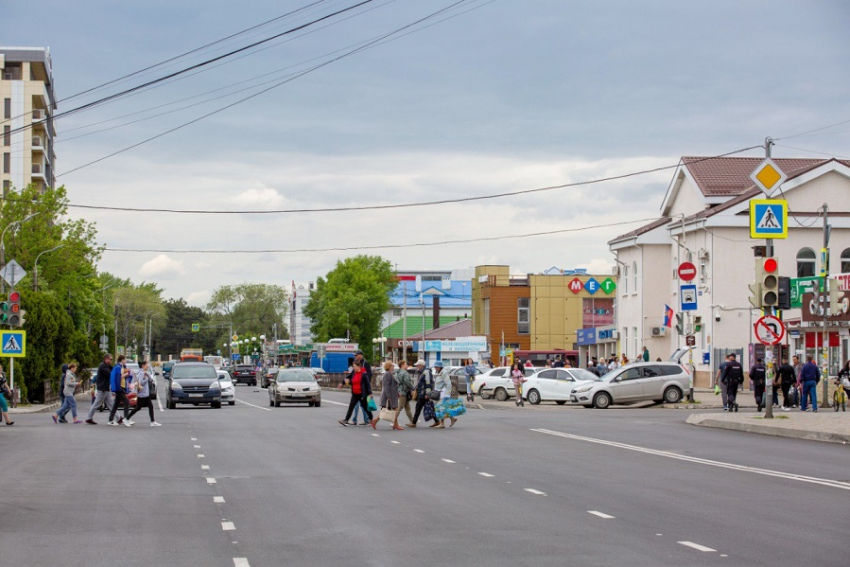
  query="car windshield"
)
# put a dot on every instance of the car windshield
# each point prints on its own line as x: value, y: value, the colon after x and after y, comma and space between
x: 224, y: 376
x: 582, y: 374
x: 193, y: 371
x: 244, y: 367
x: 295, y: 376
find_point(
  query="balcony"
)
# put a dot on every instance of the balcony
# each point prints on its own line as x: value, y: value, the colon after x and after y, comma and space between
x: 38, y: 114
x: 38, y: 171
x: 37, y: 144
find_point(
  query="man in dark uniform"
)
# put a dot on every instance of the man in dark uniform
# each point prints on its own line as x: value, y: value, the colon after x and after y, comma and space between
x: 733, y: 375
x: 758, y: 374
x: 787, y: 377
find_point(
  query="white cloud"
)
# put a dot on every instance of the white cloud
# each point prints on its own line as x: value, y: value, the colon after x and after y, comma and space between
x: 598, y: 266
x: 261, y: 196
x: 198, y: 298
x: 162, y: 266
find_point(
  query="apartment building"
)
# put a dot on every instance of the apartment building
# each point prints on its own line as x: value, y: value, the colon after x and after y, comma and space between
x: 26, y: 90
x: 299, y: 324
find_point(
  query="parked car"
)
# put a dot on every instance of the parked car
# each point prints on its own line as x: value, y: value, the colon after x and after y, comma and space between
x: 637, y: 382
x: 228, y: 388
x: 193, y: 383
x: 268, y: 376
x: 458, y: 375
x: 244, y: 373
x: 497, y: 383
x: 295, y: 385
x: 555, y: 384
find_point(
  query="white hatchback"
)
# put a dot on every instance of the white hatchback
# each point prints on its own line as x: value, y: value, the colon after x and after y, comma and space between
x: 228, y: 389
x: 497, y: 383
x: 555, y: 384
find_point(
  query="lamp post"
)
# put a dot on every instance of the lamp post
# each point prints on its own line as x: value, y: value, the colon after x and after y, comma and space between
x: 35, y: 266
x: 3, y: 247
x: 380, y: 341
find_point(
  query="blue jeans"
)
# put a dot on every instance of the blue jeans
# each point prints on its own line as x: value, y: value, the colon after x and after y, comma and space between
x: 68, y: 404
x: 810, y: 388
x: 356, y: 413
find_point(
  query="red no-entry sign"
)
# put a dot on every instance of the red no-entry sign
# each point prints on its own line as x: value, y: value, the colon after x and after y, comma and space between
x: 687, y: 271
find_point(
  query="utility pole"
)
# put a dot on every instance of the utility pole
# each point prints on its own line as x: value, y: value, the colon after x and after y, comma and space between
x: 404, y: 321
x: 824, y: 272
x: 768, y: 350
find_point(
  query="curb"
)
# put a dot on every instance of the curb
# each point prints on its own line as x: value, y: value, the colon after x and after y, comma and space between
x: 707, y: 420
x: 40, y: 408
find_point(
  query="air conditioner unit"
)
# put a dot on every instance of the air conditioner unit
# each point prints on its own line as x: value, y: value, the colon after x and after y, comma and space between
x: 659, y: 331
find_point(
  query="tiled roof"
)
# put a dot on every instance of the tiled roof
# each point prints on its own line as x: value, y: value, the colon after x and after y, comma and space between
x: 414, y: 326
x: 730, y: 176
x: 462, y: 328
x: 642, y: 230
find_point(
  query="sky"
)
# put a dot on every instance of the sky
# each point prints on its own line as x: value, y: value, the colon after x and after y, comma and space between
x: 493, y: 96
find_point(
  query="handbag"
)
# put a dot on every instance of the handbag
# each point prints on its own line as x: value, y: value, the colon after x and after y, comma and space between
x: 429, y: 411
x: 370, y: 404
x: 434, y: 396
x: 387, y: 414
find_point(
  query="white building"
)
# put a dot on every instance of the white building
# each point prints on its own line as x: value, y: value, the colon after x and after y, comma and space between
x: 705, y: 220
x: 299, y: 325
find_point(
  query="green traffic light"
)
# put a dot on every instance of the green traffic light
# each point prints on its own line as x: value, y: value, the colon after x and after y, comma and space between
x: 4, y: 306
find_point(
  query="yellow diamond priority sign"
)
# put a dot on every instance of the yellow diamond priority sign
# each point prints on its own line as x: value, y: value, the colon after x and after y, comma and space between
x: 768, y: 176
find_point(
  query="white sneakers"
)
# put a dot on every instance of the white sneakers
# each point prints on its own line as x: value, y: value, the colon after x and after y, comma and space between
x: 112, y: 423
x: 155, y: 424
x: 128, y: 423
x: 131, y: 422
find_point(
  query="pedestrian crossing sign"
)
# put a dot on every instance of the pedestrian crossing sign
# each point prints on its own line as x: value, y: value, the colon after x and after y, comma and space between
x: 768, y: 218
x: 13, y: 343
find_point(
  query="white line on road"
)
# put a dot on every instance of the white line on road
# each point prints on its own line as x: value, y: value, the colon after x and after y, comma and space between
x: 419, y: 450
x: 696, y: 546
x: 375, y: 435
x: 335, y: 403
x: 218, y: 499
x: 200, y: 455
x: 194, y: 439
x: 395, y: 442
x: 240, y: 562
x: 699, y: 461
x: 227, y: 526
x: 253, y: 406
x: 448, y: 461
x: 600, y: 514
x: 488, y: 475
x: 537, y: 492
x: 205, y: 467
x: 210, y: 480
x: 197, y: 446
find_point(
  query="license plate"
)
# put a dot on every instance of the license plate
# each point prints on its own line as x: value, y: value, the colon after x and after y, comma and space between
x: 298, y: 396
x: 196, y: 395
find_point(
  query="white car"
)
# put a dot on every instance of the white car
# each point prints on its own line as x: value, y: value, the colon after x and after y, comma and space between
x: 555, y: 384
x: 497, y: 383
x: 637, y: 382
x: 228, y: 389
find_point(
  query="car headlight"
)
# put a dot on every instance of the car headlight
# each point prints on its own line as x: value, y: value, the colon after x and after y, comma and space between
x: 176, y: 386
x: 582, y: 389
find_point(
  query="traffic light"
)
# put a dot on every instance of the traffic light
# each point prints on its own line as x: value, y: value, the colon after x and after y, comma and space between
x: 14, y: 309
x: 769, y: 281
x: 4, y: 312
x: 680, y: 324
x: 784, y: 293
x: 697, y: 324
x: 834, y: 301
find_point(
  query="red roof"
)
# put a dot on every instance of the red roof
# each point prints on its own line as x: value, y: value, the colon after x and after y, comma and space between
x: 730, y: 176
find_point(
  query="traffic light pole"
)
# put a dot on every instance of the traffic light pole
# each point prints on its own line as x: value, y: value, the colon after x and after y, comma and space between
x: 826, y: 286
x: 767, y: 397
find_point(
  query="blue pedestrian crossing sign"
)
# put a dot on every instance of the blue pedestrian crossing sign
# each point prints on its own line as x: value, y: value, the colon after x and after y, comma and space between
x: 13, y: 343
x: 768, y: 218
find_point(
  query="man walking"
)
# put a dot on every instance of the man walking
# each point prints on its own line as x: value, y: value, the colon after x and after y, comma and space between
x: 733, y: 375
x: 810, y: 376
x: 758, y: 374
x: 423, y: 390
x: 102, y: 384
x: 717, y: 376
x: 118, y: 385
x: 405, y: 387
x: 787, y: 377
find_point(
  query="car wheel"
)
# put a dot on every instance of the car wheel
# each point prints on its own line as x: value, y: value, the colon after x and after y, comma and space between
x: 501, y: 395
x: 216, y: 405
x: 482, y: 394
x: 601, y: 400
x: 276, y: 404
x: 533, y: 397
x: 560, y: 402
x: 318, y: 404
x: 271, y: 403
x: 231, y: 403
x: 672, y: 395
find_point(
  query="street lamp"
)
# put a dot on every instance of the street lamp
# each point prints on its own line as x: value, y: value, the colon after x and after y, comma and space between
x: 382, y: 341
x: 3, y: 247
x: 35, y: 266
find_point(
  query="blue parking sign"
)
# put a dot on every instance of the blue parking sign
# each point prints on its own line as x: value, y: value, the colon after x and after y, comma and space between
x: 688, y: 297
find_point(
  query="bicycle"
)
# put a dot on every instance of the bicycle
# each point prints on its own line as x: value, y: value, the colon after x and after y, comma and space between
x: 839, y: 397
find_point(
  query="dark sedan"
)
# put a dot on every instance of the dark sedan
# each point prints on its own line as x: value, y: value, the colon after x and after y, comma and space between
x: 244, y: 373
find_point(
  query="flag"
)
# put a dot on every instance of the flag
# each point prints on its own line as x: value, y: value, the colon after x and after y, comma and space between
x: 668, y: 316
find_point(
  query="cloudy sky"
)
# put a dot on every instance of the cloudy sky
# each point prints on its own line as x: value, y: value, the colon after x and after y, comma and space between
x: 496, y: 96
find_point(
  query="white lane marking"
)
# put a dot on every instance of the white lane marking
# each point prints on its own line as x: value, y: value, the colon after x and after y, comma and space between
x: 159, y: 403
x: 200, y: 455
x: 448, y: 461
x: 197, y: 446
x: 395, y: 442
x: 210, y: 480
x: 240, y: 562
x: 205, y: 467
x: 253, y: 406
x: 375, y: 435
x: 723, y: 555
x: 218, y: 499
x: 194, y: 439
x: 537, y: 492
x: 335, y: 403
x: 696, y: 546
x: 419, y: 450
x: 488, y: 475
x: 601, y: 515
x: 699, y: 461
x: 227, y: 526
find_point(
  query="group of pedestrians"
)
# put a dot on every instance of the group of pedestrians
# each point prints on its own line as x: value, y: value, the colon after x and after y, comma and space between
x: 436, y: 398
x: 798, y: 383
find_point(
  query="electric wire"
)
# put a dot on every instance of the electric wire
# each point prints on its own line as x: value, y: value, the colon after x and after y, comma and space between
x: 812, y: 131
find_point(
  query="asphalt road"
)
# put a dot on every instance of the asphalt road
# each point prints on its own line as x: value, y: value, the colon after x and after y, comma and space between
x: 537, y: 486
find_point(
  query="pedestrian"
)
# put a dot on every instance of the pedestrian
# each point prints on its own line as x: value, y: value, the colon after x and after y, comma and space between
x: 4, y: 394
x: 733, y: 376
x: 717, y: 376
x: 141, y: 385
x: 367, y: 368
x: 389, y: 397
x: 361, y: 389
x: 424, y: 386
x: 592, y: 368
x: 356, y: 414
x: 787, y: 377
x: 528, y: 364
x: 602, y: 367
x: 798, y: 368
x: 405, y: 391
x: 62, y: 385
x: 645, y: 354
x: 809, y: 376
x: 69, y: 402
x: 612, y: 364
x: 518, y: 377
x: 758, y: 376
x: 449, y: 407
x: 469, y: 372
x: 559, y: 362
x: 443, y: 385
x: 118, y: 386
x: 102, y: 386
x: 624, y: 360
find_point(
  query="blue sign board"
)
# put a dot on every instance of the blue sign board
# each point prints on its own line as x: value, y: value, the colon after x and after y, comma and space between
x: 688, y: 297
x: 585, y: 337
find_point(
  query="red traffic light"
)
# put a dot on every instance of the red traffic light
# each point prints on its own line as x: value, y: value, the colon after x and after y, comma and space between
x: 770, y: 265
x: 14, y: 296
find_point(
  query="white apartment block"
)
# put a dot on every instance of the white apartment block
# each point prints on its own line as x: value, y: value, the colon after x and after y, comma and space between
x: 299, y: 324
x: 26, y: 92
x: 705, y: 220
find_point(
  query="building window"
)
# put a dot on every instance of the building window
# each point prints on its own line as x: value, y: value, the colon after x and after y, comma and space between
x: 7, y: 108
x: 635, y: 338
x: 5, y: 188
x: 7, y: 135
x: 486, y: 316
x: 523, y: 316
x: 625, y: 342
x: 806, y: 263
x: 7, y: 162
x: 397, y: 312
x: 625, y: 280
x: 845, y: 261
x: 635, y: 276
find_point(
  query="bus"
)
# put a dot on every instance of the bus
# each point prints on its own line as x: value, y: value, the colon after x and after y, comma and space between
x: 539, y: 357
x: 191, y: 354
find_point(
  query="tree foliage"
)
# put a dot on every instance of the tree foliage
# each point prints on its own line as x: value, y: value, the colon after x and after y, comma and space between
x: 351, y: 299
x: 252, y: 308
x: 177, y: 333
x: 134, y: 306
x: 49, y: 331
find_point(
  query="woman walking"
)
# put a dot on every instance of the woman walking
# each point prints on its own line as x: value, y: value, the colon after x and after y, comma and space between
x: 4, y: 391
x: 389, y: 397
x: 449, y: 407
x: 143, y: 393
x: 469, y: 372
x: 518, y: 377
x: 361, y: 389
x: 69, y: 403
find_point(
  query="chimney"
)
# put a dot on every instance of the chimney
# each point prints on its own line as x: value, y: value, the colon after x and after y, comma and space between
x: 436, y: 310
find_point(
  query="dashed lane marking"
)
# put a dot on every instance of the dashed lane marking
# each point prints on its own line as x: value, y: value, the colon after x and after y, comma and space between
x: 240, y: 562
x: 210, y: 480
x: 419, y: 450
x: 488, y: 475
x: 537, y: 492
x: 699, y: 461
x: 395, y: 442
x: 375, y: 435
x: 200, y: 455
x: 448, y: 461
x: 194, y: 439
x: 600, y: 514
x: 227, y: 526
x: 335, y: 403
x: 696, y: 546
x: 205, y: 467
x: 253, y: 406
x: 218, y: 499
x: 197, y: 446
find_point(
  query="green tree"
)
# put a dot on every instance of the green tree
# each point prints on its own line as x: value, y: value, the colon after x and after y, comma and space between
x: 352, y: 299
x: 177, y: 333
x: 251, y: 308
x: 134, y: 306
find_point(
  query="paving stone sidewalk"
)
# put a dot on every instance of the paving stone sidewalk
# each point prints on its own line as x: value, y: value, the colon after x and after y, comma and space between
x: 825, y: 425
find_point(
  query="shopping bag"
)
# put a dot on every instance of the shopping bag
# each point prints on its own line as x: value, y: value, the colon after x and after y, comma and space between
x: 430, y: 412
x: 716, y: 389
x: 387, y: 414
x: 370, y: 403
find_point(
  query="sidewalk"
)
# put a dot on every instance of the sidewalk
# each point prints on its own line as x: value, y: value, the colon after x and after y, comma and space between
x: 40, y: 408
x: 825, y: 425
x: 706, y: 399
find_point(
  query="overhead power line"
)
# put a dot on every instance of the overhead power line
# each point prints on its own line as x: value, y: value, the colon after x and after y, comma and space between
x: 385, y: 246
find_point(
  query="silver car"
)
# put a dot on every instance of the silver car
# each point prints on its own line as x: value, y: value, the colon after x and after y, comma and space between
x: 638, y: 382
x: 294, y: 385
